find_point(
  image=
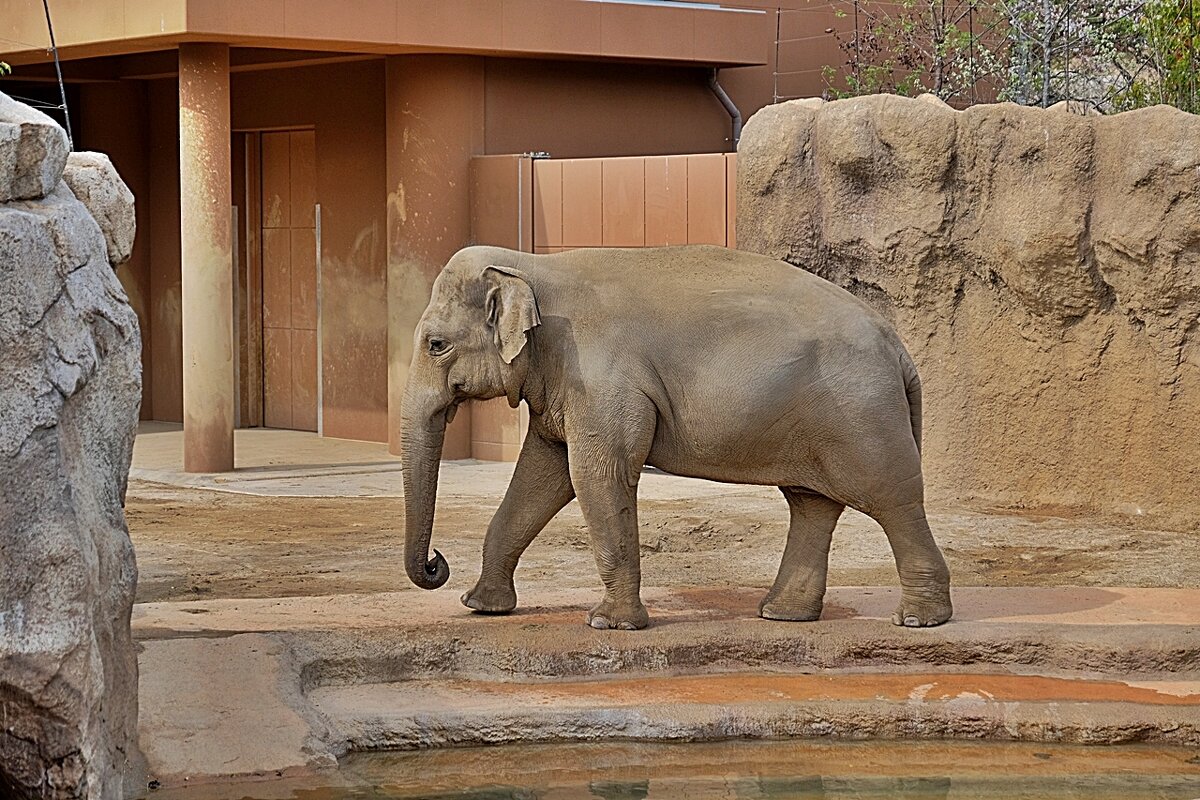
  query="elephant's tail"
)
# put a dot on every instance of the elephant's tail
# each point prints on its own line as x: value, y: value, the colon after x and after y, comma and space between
x: 912, y: 387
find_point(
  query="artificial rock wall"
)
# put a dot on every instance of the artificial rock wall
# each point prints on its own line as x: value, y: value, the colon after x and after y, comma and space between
x: 70, y: 387
x: 1043, y: 268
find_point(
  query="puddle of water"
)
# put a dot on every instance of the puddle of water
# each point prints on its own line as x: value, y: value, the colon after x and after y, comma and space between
x: 781, y: 770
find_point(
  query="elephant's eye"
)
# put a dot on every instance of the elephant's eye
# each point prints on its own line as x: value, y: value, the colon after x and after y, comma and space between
x: 437, y: 346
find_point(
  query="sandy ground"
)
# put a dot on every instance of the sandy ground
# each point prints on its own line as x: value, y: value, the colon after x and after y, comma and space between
x: 203, y: 544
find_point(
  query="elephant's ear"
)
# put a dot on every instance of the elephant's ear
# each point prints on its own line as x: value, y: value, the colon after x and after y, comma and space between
x: 511, y: 311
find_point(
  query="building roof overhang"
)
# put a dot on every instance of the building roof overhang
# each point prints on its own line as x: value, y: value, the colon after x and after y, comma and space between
x: 663, y: 31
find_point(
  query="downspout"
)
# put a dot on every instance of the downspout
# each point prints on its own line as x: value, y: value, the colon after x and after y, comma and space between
x: 730, y: 108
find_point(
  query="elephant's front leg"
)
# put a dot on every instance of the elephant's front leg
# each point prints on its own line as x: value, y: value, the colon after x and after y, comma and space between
x: 605, y: 469
x: 540, y: 487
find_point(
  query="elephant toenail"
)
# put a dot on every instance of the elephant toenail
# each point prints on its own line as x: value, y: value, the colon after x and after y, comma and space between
x: 626, y: 626
x: 912, y: 622
x: 599, y: 623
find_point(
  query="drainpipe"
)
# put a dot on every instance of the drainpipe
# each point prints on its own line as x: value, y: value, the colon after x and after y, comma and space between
x: 730, y: 108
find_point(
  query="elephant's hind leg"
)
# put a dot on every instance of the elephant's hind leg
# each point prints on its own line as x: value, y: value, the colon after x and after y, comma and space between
x: 924, y: 576
x: 799, y: 589
x: 540, y: 487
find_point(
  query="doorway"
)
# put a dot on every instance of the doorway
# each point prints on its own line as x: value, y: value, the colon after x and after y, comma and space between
x: 278, y: 309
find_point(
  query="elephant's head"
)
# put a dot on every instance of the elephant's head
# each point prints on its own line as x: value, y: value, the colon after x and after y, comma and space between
x: 469, y: 344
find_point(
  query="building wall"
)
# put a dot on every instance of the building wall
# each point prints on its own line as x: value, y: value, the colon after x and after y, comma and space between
x: 581, y: 110
x: 568, y: 109
x: 113, y: 118
x: 344, y: 103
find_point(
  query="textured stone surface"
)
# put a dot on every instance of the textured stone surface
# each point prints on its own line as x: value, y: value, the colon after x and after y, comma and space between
x: 1043, y: 268
x: 96, y: 184
x: 33, y: 151
x: 287, y: 683
x: 70, y: 387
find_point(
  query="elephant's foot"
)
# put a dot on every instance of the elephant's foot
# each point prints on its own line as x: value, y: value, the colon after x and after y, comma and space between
x: 624, y: 616
x: 923, y: 608
x: 778, y: 608
x: 491, y: 598
x: 798, y: 598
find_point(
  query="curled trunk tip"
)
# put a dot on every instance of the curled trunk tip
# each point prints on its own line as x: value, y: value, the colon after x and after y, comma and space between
x: 431, y: 574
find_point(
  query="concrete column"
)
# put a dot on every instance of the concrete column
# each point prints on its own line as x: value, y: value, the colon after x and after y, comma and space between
x: 207, y: 257
x: 434, y: 126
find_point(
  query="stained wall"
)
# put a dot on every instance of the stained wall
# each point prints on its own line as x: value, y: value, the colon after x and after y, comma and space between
x: 569, y: 109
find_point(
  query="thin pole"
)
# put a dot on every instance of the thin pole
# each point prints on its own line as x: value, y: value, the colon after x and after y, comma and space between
x: 775, y: 77
x: 62, y: 89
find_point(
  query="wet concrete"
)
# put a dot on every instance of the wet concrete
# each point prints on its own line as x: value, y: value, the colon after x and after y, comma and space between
x: 778, y: 769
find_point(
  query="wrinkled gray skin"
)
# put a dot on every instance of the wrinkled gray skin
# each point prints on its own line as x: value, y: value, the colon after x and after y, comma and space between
x: 700, y: 361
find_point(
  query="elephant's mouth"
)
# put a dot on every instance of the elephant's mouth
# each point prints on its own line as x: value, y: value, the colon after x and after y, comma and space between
x: 459, y: 395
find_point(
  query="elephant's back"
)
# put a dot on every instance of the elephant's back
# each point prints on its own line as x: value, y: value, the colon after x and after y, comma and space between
x: 712, y: 288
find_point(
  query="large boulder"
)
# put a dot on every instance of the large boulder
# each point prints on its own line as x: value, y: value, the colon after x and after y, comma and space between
x: 1043, y: 267
x: 33, y: 151
x: 70, y: 387
x: 95, y: 183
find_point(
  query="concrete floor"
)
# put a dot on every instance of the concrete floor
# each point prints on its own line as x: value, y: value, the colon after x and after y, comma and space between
x: 248, y: 682
x: 272, y: 463
x: 281, y: 463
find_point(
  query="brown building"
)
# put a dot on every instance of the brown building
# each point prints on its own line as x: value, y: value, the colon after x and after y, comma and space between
x: 303, y: 169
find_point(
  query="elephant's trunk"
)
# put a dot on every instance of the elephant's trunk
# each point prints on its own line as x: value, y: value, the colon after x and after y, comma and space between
x: 422, y: 432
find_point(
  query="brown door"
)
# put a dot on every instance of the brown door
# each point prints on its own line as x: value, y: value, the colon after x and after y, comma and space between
x: 289, y: 280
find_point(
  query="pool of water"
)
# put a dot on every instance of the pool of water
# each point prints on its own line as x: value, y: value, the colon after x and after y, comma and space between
x: 741, y: 771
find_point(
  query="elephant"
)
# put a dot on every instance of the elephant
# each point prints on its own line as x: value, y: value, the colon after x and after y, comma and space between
x: 698, y: 360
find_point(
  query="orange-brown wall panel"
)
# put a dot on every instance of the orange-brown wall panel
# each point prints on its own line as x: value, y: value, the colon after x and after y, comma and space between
x: 653, y: 202
x: 495, y: 430
x: 624, y: 202
x: 637, y: 31
x: 304, y: 380
x: 547, y: 203
x: 303, y: 278
x: 277, y: 278
x: 276, y: 180
x: 277, y: 377
x: 666, y: 201
x: 303, y: 157
x: 706, y: 199
x: 551, y: 25
x: 716, y: 40
x: 582, y: 204
x: 359, y: 21
x: 502, y: 201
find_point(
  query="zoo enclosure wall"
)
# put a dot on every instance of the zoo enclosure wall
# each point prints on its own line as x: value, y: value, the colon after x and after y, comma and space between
x: 547, y: 205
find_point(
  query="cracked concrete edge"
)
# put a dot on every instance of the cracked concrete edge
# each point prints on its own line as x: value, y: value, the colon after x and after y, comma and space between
x: 278, y: 679
x: 379, y: 656
x: 1050, y: 723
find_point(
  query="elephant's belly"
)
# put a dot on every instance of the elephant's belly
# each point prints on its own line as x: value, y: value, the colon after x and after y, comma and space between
x: 737, y: 456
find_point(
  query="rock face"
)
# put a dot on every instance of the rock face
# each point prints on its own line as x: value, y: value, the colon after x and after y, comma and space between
x: 70, y: 387
x: 33, y: 151
x: 1042, y: 266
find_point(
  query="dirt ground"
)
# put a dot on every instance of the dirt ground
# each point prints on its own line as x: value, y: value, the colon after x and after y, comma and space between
x: 204, y: 544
